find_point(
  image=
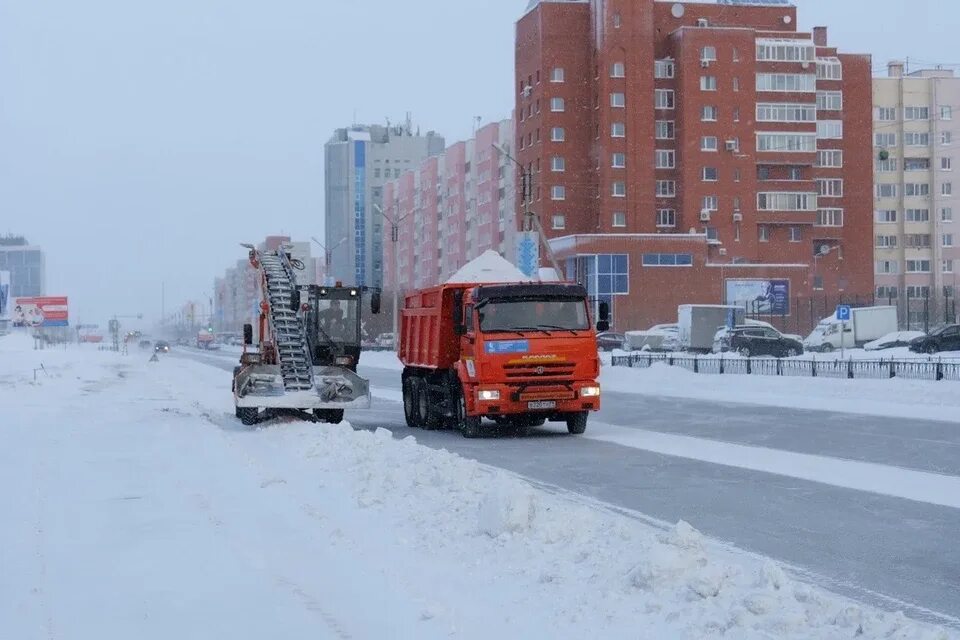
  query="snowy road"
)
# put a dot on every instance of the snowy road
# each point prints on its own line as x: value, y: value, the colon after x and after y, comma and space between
x: 892, y: 552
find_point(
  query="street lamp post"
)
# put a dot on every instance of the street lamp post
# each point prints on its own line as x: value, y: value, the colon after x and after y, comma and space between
x: 822, y: 252
x: 328, y: 255
x: 394, y: 238
x: 531, y: 222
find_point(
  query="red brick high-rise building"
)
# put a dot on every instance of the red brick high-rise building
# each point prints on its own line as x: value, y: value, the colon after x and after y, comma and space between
x: 696, y: 153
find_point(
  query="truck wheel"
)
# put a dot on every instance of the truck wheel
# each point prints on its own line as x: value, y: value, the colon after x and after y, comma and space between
x: 469, y: 425
x: 932, y: 349
x: 577, y: 422
x: 247, y: 415
x: 410, y: 402
x: 330, y: 416
x: 425, y: 417
x: 827, y: 348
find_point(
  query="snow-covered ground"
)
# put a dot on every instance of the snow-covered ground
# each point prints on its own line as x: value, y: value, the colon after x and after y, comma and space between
x: 137, y: 506
x: 898, y: 353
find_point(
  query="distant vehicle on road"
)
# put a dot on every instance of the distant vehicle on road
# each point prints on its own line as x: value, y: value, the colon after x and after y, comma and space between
x: 162, y: 346
x: 145, y: 344
x: 610, y: 341
x: 893, y: 340
x: 945, y: 338
x: 751, y: 341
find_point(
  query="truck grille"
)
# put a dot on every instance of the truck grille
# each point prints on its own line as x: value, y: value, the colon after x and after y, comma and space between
x: 540, y: 370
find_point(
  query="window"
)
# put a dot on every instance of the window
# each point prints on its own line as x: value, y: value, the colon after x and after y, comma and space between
x: 786, y: 201
x: 916, y: 164
x: 796, y: 235
x: 886, y: 191
x: 886, y: 242
x: 665, y: 159
x: 887, y: 266
x: 708, y: 113
x: 618, y: 189
x: 736, y: 114
x: 787, y: 82
x: 558, y: 164
x: 710, y: 203
x: 829, y: 218
x: 666, y: 188
x: 736, y: 84
x: 708, y: 54
x: 889, y: 165
x: 786, y: 112
x: 887, y: 292
x: 784, y: 50
x: 947, y: 266
x: 830, y: 100
x: 558, y: 192
x: 663, y: 98
x: 795, y: 173
x: 830, y: 187
x: 557, y: 134
x: 945, y: 137
x: 917, y: 240
x: 912, y: 139
x: 663, y: 69
x: 618, y: 160
x: 946, y: 164
x: 885, y: 140
x: 946, y: 112
x: 830, y: 158
x: 618, y: 130
x: 764, y: 232
x: 617, y: 70
x: 886, y: 216
x: 918, y: 266
x: 376, y: 172
x: 916, y: 189
x: 708, y: 83
x: 946, y: 188
x: 946, y: 240
x: 557, y: 104
x: 886, y: 114
x: 666, y: 218
x: 914, y: 291
x: 830, y: 129
x: 557, y: 75
x: 616, y: 21
x: 665, y: 129
x: 619, y: 219
x: 708, y: 143
x: 709, y: 174
x: 916, y: 215
x: 787, y: 142
x: 668, y: 259
x: 916, y: 113
x: 829, y: 69
x: 763, y: 172
x: 618, y: 100
x: 559, y: 222
x: 946, y: 214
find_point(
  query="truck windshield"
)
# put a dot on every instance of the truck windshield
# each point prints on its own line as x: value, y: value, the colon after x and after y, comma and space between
x: 533, y: 315
x: 337, y: 321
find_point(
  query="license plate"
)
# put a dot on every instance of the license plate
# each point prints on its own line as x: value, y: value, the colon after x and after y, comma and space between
x: 542, y: 404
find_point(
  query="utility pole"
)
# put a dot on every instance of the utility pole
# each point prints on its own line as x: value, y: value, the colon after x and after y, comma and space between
x: 531, y: 222
x: 394, y: 239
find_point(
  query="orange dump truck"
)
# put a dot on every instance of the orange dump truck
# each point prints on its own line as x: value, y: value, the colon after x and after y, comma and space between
x: 519, y: 354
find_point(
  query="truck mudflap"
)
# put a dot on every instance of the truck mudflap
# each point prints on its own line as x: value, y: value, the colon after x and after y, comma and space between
x: 261, y: 386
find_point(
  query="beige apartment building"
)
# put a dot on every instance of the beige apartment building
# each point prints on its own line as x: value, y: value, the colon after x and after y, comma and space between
x: 916, y: 124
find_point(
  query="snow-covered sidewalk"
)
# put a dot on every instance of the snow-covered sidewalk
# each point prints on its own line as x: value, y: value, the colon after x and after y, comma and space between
x: 137, y: 506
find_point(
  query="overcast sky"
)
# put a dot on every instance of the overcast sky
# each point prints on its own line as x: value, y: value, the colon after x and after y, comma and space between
x: 141, y: 141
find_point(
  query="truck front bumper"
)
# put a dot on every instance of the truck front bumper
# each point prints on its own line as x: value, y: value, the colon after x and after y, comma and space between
x: 500, y: 400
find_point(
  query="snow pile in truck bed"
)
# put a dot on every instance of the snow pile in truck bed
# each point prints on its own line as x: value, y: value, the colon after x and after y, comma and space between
x: 488, y: 268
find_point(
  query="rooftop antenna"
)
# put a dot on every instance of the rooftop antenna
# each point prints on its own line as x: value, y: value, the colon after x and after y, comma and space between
x: 409, y: 123
x: 476, y: 123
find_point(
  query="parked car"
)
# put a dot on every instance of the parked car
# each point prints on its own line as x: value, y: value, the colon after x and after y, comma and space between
x: 162, y: 346
x: 386, y: 341
x: 760, y: 323
x: 751, y: 341
x: 945, y: 338
x: 609, y: 341
x: 893, y: 340
x: 659, y: 337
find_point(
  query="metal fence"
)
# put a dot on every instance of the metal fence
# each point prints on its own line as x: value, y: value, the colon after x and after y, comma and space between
x: 795, y: 367
x: 920, y: 312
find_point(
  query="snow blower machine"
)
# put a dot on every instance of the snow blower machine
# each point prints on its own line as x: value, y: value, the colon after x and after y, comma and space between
x: 305, y: 362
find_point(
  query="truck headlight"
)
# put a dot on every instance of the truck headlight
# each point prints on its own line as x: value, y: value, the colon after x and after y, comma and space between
x: 590, y: 392
x: 345, y: 361
x: 487, y: 395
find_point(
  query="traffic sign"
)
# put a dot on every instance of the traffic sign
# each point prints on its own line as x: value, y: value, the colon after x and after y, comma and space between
x: 844, y: 313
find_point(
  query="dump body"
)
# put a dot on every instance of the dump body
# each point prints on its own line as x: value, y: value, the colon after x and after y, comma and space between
x: 517, y: 350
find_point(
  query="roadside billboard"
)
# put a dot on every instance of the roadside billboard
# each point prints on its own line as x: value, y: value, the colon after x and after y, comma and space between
x: 760, y: 296
x: 41, y: 312
x: 4, y: 294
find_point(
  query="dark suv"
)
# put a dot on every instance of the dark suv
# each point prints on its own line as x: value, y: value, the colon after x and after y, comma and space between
x: 760, y: 341
x: 945, y: 338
